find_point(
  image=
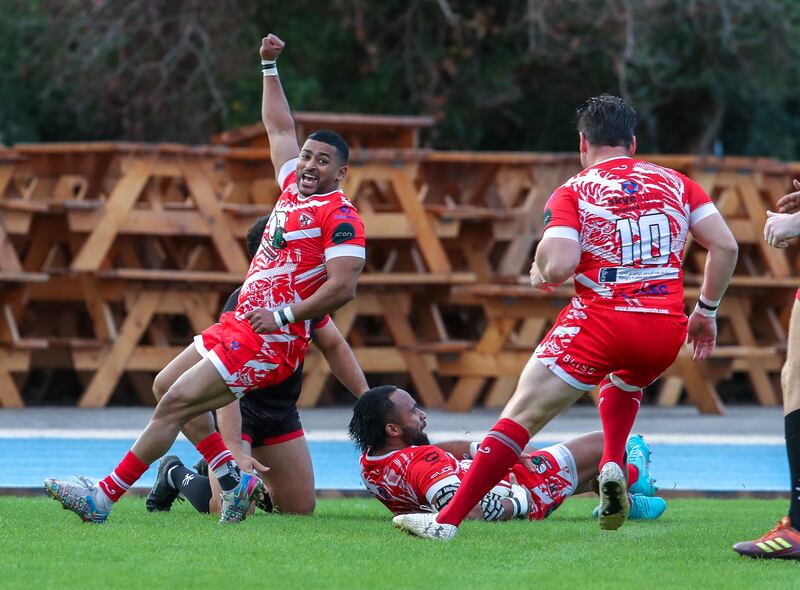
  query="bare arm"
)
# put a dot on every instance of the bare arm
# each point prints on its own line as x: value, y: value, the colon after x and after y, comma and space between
x: 555, y: 261
x: 229, y: 423
x: 275, y: 112
x: 712, y: 233
x: 338, y: 289
x: 341, y: 359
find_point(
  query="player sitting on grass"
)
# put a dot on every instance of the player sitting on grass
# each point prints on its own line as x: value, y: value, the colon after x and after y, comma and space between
x: 407, y: 474
x: 263, y: 428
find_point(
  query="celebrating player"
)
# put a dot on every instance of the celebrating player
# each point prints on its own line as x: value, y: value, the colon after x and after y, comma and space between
x: 619, y: 227
x: 783, y: 542
x: 263, y: 428
x: 307, y: 265
x: 407, y: 474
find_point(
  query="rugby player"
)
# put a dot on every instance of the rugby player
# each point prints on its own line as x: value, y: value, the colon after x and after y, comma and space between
x: 619, y: 227
x: 402, y: 469
x: 263, y: 428
x: 307, y: 265
x: 783, y: 542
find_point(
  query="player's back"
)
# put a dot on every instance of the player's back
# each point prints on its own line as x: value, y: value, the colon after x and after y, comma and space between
x: 631, y: 219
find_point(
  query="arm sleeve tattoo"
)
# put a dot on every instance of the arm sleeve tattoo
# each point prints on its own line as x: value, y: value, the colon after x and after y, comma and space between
x: 491, y: 503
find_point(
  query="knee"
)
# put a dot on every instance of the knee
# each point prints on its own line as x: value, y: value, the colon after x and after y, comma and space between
x: 790, y: 382
x: 161, y: 385
x: 299, y: 506
x: 174, y: 404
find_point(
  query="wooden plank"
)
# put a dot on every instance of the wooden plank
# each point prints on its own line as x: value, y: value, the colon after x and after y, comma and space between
x: 119, y: 203
x: 115, y: 360
x: 208, y: 204
x: 9, y: 394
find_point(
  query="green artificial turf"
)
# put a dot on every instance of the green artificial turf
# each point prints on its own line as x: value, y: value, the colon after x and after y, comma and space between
x: 350, y: 543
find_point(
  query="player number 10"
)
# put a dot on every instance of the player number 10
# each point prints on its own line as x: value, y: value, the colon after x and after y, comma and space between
x: 653, y: 235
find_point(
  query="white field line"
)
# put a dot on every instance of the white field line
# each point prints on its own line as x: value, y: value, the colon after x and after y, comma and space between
x: 327, y: 435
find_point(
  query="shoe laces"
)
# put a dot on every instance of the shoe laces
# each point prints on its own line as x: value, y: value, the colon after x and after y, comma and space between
x: 85, y: 482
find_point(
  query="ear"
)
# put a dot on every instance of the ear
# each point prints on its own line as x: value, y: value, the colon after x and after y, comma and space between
x: 392, y: 430
x: 342, y: 172
x: 632, y: 149
x: 583, y: 145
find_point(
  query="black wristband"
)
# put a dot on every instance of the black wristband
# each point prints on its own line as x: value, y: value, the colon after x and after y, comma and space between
x: 702, y: 305
x: 284, y: 319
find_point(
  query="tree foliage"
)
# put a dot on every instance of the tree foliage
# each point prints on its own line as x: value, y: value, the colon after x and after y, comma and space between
x: 704, y: 75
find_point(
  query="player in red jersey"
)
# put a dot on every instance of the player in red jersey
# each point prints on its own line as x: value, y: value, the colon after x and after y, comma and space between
x: 619, y: 227
x: 308, y: 265
x: 783, y: 542
x: 402, y: 469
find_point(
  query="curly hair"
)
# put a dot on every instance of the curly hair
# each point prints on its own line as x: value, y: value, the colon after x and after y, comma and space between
x: 371, y: 413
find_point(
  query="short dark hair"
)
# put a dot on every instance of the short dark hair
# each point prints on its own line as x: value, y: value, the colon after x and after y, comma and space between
x: 371, y: 413
x: 607, y: 120
x: 254, y: 235
x: 334, y: 139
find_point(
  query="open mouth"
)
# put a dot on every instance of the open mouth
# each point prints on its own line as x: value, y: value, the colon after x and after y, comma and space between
x: 308, y: 181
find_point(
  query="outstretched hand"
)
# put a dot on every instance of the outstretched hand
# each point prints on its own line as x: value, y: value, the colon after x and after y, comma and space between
x: 249, y: 464
x: 702, y: 335
x: 271, y: 47
x: 790, y: 203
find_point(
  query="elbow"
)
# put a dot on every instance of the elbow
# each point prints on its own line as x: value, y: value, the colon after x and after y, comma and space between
x: 555, y: 273
x: 345, y: 293
x: 727, y: 247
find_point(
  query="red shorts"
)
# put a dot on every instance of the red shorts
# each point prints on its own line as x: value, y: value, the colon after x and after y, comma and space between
x: 587, y: 343
x: 244, y: 359
x: 555, y: 479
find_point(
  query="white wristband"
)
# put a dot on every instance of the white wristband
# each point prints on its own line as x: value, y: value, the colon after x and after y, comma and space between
x: 278, y: 319
x: 709, y: 313
x: 289, y: 315
x: 269, y: 67
x: 709, y: 302
x: 520, y: 498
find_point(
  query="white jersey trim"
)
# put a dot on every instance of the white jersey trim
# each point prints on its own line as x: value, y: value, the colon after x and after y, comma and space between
x: 300, y: 234
x: 450, y: 480
x: 550, y: 363
x: 345, y: 250
x: 702, y: 212
x: 562, y: 231
x: 288, y: 167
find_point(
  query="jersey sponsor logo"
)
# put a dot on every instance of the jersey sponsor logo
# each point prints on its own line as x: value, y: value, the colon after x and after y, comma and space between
x: 635, y: 275
x: 622, y: 201
x: 305, y: 220
x: 234, y: 345
x: 431, y: 457
x: 652, y: 290
x: 630, y: 187
x: 343, y: 232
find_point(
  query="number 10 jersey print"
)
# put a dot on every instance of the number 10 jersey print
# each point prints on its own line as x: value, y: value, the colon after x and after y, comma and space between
x: 631, y: 219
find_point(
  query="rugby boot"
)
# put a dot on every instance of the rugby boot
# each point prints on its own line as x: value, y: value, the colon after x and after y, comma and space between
x: 424, y: 525
x: 782, y: 542
x: 162, y: 495
x: 614, y: 504
x: 638, y: 455
x: 236, y: 501
x: 642, y: 507
x: 83, y: 498
x: 201, y: 467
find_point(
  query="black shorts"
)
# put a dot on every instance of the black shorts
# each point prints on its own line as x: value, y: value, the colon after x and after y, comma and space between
x: 269, y: 416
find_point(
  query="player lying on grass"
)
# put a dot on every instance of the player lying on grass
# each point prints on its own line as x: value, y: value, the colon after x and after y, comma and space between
x: 407, y: 474
x: 783, y: 542
x: 307, y: 265
x: 263, y: 428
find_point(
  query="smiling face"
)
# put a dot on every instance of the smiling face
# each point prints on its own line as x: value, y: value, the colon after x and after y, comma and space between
x: 408, y: 420
x: 319, y: 168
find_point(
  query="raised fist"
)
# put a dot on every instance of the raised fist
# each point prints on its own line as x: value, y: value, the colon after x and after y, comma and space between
x: 271, y: 47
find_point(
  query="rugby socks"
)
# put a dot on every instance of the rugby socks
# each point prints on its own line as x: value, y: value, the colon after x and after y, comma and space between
x: 632, y: 474
x: 618, y: 409
x: 220, y: 461
x: 195, y: 488
x: 496, y: 454
x: 792, y: 422
x: 123, y: 477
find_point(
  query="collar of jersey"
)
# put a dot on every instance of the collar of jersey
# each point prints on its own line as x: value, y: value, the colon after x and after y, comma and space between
x: 303, y: 197
x: 379, y: 457
x: 612, y: 158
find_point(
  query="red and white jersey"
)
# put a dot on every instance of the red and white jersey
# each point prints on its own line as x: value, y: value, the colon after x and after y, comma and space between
x: 302, y: 234
x: 631, y: 219
x: 407, y: 480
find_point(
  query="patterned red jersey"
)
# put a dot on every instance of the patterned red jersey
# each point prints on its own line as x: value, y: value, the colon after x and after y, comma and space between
x: 302, y: 234
x: 407, y: 480
x: 631, y: 219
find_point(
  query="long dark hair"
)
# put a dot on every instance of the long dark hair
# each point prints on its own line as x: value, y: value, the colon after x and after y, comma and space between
x: 371, y: 413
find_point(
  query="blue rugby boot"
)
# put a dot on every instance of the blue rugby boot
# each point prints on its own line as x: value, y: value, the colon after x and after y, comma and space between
x: 236, y: 501
x: 84, y: 498
x: 638, y: 455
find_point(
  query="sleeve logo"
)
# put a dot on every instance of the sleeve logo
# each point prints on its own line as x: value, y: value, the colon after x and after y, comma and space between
x: 548, y: 215
x: 343, y: 232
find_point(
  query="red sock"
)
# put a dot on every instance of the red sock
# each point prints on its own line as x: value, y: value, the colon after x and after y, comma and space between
x: 123, y: 477
x: 633, y: 474
x: 497, y: 453
x: 214, y: 451
x: 618, y: 408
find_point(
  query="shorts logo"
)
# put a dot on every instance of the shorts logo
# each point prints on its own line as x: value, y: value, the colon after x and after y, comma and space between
x: 234, y: 345
x: 343, y: 233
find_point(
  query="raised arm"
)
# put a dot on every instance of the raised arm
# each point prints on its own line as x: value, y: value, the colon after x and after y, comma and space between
x: 275, y: 112
x: 340, y: 358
